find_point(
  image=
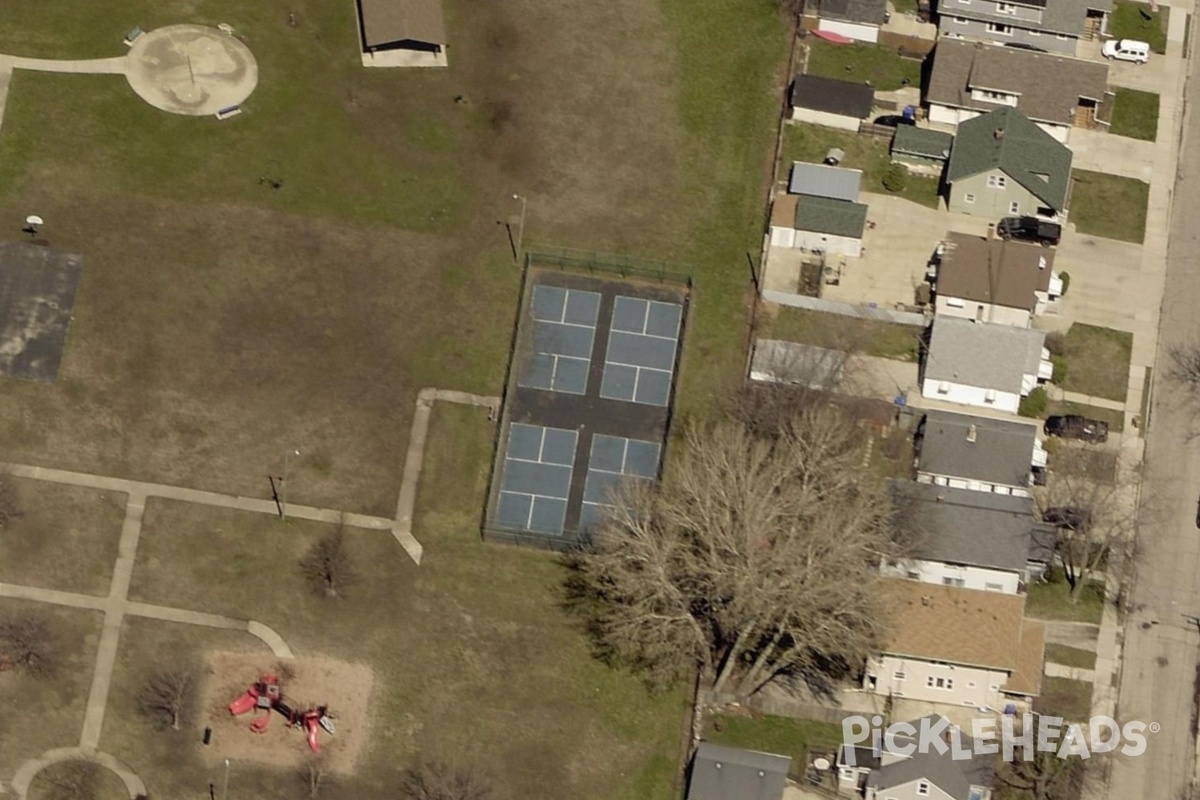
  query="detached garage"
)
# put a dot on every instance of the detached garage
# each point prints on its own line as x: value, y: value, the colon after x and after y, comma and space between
x: 402, y: 33
x: 830, y: 102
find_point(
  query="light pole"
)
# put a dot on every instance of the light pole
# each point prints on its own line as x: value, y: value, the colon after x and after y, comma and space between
x: 287, y: 455
x: 225, y: 782
x: 521, y: 224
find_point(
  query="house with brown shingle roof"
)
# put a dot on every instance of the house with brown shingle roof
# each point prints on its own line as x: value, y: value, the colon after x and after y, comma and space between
x: 994, y: 280
x: 959, y: 646
x: 968, y: 79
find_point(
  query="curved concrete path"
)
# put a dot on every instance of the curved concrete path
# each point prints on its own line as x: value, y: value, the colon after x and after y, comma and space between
x: 29, y: 770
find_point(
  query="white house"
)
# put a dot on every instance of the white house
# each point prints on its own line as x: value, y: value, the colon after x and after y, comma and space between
x: 957, y: 646
x: 994, y: 280
x: 964, y: 538
x: 830, y: 102
x: 889, y: 772
x: 983, y: 364
x: 855, y: 19
x: 983, y: 454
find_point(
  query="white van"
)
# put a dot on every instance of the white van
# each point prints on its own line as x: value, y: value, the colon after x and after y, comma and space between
x: 1127, y: 50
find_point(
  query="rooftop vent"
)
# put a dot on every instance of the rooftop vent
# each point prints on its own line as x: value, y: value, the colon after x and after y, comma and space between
x: 998, y: 133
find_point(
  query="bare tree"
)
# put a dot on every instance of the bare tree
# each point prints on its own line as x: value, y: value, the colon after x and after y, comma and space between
x: 10, y: 501
x: 1093, y: 510
x: 1183, y: 366
x: 70, y: 780
x: 27, y: 642
x: 169, y: 694
x: 328, y: 564
x: 314, y: 774
x: 752, y: 560
x: 1043, y: 777
x: 436, y: 780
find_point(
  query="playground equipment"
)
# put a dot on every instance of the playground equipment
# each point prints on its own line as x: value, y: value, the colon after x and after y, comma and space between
x: 266, y: 695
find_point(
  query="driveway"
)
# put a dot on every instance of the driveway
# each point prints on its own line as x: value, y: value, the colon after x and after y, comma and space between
x: 1110, y: 285
x: 896, y: 251
x: 1100, y: 151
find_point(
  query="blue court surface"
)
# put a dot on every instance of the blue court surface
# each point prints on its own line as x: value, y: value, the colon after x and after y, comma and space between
x: 588, y: 403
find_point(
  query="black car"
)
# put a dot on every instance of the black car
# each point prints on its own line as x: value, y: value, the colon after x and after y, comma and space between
x: 894, y: 120
x: 1030, y: 229
x: 1067, y: 517
x: 1074, y: 426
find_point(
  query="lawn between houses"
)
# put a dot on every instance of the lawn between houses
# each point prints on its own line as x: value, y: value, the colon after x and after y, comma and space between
x: 1133, y: 20
x: 879, y: 67
x: 1097, y: 361
x: 1110, y: 206
x: 1135, y: 114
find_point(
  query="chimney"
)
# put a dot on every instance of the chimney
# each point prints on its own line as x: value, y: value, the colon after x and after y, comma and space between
x: 991, y: 234
x: 972, y: 432
x: 998, y: 133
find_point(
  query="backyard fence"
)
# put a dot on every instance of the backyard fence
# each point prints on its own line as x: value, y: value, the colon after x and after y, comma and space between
x: 845, y: 309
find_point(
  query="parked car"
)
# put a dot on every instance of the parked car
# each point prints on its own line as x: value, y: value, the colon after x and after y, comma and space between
x: 1126, y: 50
x: 1067, y: 517
x: 894, y: 120
x: 1030, y: 229
x: 1023, y: 46
x: 1074, y: 426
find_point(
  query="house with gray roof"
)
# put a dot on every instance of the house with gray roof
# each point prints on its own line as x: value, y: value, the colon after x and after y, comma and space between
x: 967, y: 79
x: 888, y: 771
x: 982, y: 454
x: 831, y: 102
x: 1003, y: 165
x: 856, y: 19
x: 820, y: 212
x: 982, y: 364
x: 731, y: 773
x: 1055, y: 26
x: 964, y: 538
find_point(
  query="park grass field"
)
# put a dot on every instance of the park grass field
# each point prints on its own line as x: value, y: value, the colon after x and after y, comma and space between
x: 473, y: 654
x: 220, y: 321
x: 40, y: 713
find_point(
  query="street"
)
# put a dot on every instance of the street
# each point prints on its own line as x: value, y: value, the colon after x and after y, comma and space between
x: 1162, y: 645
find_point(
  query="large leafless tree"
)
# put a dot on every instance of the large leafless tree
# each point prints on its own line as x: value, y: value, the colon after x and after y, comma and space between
x: 437, y: 780
x: 1091, y: 500
x: 27, y: 642
x: 169, y: 693
x: 1045, y: 776
x: 752, y: 559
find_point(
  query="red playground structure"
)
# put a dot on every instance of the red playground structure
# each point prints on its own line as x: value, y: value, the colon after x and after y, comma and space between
x: 266, y: 695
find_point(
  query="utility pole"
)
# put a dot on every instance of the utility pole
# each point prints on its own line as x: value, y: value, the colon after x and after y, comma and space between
x: 287, y: 455
x: 520, y: 226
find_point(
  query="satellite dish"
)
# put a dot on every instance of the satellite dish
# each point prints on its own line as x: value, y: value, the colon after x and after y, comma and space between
x: 821, y: 763
x: 34, y: 219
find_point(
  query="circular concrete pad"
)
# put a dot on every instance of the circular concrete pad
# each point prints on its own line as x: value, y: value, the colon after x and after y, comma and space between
x: 191, y: 69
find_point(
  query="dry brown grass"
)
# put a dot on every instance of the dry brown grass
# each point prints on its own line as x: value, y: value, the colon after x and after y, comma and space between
x: 64, y: 538
x: 37, y: 714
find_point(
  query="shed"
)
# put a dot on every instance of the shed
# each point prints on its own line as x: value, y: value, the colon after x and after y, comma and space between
x: 402, y: 33
x: 730, y: 773
x: 922, y: 150
x: 819, y: 180
x: 856, y: 19
x: 831, y: 102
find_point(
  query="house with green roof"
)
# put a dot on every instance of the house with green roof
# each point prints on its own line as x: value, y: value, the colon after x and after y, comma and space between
x: 1002, y: 165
